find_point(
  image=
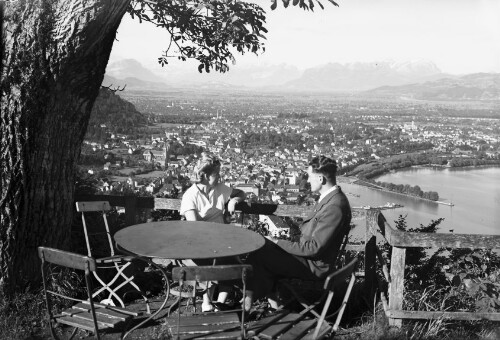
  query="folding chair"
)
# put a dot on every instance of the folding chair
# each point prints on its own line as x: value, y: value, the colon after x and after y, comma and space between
x: 285, y: 325
x: 102, y: 240
x: 85, y: 314
x: 336, y: 277
x: 216, y: 325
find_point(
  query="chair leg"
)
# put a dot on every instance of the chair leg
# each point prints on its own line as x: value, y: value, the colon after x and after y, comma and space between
x: 52, y: 330
x: 308, y: 307
x: 323, y: 314
x: 112, y: 291
x: 73, y: 333
x: 133, y: 284
x: 107, y: 287
x: 344, y: 302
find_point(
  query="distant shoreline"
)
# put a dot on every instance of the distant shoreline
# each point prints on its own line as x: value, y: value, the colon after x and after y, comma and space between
x: 466, y: 167
x: 375, y: 187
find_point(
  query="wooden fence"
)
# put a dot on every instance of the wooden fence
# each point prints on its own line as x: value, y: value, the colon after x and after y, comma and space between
x: 376, y: 224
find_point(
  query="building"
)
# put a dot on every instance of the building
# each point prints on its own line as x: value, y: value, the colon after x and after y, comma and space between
x: 249, y: 188
x: 275, y: 225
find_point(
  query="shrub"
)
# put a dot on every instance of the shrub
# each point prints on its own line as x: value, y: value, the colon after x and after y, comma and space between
x: 22, y: 316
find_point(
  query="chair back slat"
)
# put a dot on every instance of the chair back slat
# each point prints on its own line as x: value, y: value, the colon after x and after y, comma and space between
x: 211, y: 273
x: 102, y: 207
x: 340, y: 275
x: 67, y: 259
x: 93, y: 206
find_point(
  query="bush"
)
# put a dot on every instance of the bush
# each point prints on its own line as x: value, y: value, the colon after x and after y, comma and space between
x: 22, y: 316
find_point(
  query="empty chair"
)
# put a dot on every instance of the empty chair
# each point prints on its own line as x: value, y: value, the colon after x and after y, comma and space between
x: 84, y: 314
x: 218, y: 325
x: 100, y: 238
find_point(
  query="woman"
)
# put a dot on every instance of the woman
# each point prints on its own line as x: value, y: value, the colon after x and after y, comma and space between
x: 208, y: 200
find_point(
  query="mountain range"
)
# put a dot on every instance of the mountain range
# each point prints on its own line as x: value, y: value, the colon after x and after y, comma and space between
x: 421, y: 80
x: 477, y: 86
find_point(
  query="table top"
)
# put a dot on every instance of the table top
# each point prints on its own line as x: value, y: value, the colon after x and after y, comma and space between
x: 188, y: 240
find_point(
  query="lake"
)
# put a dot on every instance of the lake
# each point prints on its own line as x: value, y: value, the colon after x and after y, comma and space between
x: 475, y: 193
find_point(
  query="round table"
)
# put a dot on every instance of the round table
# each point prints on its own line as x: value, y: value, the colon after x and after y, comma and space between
x: 188, y: 240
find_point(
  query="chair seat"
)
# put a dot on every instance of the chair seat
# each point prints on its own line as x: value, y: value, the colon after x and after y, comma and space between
x: 286, y: 326
x: 303, y: 284
x: 207, y: 326
x: 115, y: 258
x: 80, y: 316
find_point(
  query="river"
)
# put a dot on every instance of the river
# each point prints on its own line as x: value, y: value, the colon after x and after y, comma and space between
x: 475, y: 193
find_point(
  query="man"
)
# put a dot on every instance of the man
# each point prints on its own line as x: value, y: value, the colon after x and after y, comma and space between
x: 313, y: 256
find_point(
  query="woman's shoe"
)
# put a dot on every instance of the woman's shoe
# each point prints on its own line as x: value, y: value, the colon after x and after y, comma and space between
x: 208, y: 307
x: 220, y: 306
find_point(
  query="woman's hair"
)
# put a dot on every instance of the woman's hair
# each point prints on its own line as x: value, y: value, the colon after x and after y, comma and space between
x: 206, y: 165
x: 325, y: 166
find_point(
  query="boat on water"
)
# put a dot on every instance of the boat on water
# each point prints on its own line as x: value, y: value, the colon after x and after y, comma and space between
x: 393, y: 205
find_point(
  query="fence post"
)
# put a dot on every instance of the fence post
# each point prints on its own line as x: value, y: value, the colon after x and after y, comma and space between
x: 371, y: 254
x: 396, y: 286
x: 130, y: 210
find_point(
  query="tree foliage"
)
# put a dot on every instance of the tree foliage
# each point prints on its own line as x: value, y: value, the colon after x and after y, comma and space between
x: 208, y: 30
x: 304, y: 4
x: 205, y: 30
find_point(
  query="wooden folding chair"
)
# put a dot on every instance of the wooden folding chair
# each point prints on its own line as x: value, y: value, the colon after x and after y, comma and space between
x: 102, y: 240
x: 216, y: 325
x: 85, y: 314
x: 286, y: 325
x: 336, y: 276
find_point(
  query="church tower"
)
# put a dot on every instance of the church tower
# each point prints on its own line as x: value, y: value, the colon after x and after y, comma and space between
x: 166, y: 153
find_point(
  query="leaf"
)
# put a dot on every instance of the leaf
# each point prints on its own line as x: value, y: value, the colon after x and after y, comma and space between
x: 274, y: 4
x: 456, y: 281
x: 286, y: 3
x: 474, y: 288
x: 200, y: 68
x: 467, y: 283
x: 449, y: 276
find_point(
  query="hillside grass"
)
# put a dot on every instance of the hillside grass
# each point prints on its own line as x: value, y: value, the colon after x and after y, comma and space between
x: 24, y: 317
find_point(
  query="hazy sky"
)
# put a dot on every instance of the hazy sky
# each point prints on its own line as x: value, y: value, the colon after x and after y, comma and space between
x: 459, y: 36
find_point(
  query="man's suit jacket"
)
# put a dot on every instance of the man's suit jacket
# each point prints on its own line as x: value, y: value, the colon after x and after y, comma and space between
x: 322, y: 233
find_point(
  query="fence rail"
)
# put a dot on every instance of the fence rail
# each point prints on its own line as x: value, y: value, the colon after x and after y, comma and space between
x: 376, y: 224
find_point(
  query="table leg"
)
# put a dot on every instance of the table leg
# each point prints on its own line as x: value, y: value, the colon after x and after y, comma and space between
x: 166, y: 288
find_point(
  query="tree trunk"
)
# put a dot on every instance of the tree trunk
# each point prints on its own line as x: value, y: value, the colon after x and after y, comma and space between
x: 54, y: 55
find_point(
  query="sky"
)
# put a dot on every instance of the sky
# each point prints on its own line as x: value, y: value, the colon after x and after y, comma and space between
x: 459, y: 36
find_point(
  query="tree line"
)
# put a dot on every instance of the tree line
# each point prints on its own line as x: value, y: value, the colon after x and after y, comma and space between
x: 409, y: 190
